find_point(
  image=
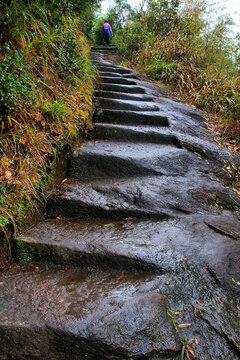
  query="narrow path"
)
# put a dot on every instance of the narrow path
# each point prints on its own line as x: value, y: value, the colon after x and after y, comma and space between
x: 142, y: 242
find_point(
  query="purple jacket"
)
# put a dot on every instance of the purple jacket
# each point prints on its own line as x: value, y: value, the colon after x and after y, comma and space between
x: 107, y: 26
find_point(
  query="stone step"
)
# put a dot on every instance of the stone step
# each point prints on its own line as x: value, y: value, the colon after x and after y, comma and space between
x: 120, y: 95
x: 109, y: 159
x: 110, y: 74
x: 143, y: 197
x: 85, y: 244
x: 118, y: 104
x: 104, y: 47
x: 136, y: 245
x: 104, y: 51
x: 70, y: 315
x: 128, y: 117
x: 117, y: 80
x: 143, y: 134
x: 113, y: 74
x: 116, y: 69
x: 132, y: 89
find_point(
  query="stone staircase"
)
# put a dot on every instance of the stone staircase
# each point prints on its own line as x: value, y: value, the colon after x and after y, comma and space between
x: 137, y: 253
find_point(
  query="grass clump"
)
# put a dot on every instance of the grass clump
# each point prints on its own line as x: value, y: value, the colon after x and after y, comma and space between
x: 46, y: 89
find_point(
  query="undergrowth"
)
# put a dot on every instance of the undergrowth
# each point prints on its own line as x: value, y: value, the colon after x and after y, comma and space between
x: 46, y: 89
x: 173, y: 43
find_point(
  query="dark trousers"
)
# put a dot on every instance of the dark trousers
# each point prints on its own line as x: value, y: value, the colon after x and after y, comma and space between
x: 106, y: 37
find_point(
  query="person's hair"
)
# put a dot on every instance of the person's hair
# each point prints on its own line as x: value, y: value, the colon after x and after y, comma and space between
x: 105, y: 21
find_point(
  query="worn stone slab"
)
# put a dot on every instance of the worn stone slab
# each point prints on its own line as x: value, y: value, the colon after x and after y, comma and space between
x: 154, y: 118
x: 104, y: 47
x: 87, y: 314
x: 141, y: 245
x: 105, y: 51
x: 143, y: 134
x: 117, y: 80
x: 111, y: 68
x: 204, y: 147
x: 109, y: 159
x: 114, y: 74
x: 110, y: 74
x: 118, y: 95
x: 155, y: 197
x: 119, y: 104
x: 132, y: 89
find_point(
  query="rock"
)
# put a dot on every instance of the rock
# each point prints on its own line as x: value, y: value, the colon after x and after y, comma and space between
x: 89, y: 315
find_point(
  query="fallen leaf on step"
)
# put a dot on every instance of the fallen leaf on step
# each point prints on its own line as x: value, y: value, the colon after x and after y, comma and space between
x: 66, y: 181
x: 120, y: 277
x: 196, y: 341
x: 199, y: 303
x: 190, y: 350
x: 216, y: 299
x: 184, y: 325
x: 61, y: 301
x: 136, y: 343
x: 154, y: 347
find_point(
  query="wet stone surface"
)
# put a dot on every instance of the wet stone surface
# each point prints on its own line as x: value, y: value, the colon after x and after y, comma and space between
x: 96, y: 310
x: 138, y: 257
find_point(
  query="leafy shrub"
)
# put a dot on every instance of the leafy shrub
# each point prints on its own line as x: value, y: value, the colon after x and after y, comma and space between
x: 46, y: 90
x: 16, y: 82
x: 199, y: 60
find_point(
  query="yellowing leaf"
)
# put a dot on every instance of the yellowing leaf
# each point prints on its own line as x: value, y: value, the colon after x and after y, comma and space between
x: 196, y: 341
x: 184, y: 325
x: 8, y: 175
x: 5, y: 162
x: 120, y: 277
x: 190, y: 350
x: 61, y: 301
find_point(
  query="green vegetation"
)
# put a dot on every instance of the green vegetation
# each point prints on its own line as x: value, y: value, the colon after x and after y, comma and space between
x: 174, y: 42
x: 46, y: 89
x: 116, y: 16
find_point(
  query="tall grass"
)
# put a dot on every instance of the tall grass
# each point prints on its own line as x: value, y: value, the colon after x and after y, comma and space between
x: 196, y: 60
x: 46, y: 89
